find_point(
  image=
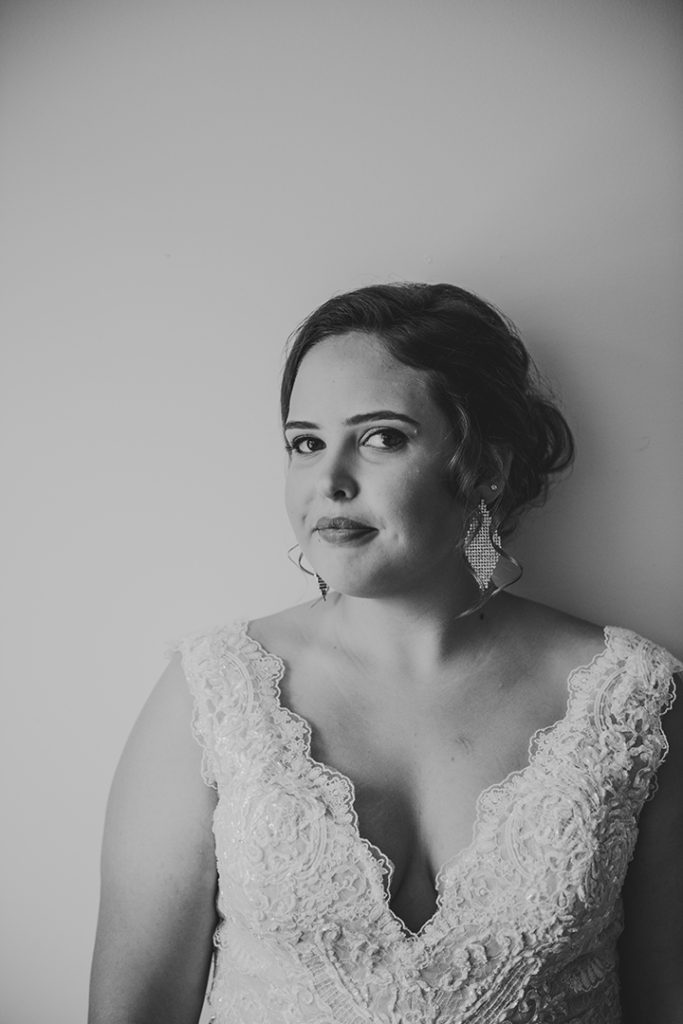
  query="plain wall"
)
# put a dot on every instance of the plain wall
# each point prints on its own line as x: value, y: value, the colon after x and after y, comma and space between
x: 181, y: 183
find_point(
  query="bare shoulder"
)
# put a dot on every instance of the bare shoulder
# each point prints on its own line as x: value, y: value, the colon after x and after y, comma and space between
x: 160, y: 762
x: 553, y: 630
x: 287, y: 631
x: 157, y: 906
x: 554, y: 642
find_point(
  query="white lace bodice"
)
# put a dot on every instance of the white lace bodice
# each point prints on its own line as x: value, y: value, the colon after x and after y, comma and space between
x: 527, y: 915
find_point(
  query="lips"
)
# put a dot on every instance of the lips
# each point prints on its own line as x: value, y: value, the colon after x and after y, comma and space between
x: 341, y: 523
x: 341, y: 531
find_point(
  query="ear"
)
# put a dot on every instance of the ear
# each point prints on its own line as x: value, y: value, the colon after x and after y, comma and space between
x: 494, y: 484
x: 489, y: 492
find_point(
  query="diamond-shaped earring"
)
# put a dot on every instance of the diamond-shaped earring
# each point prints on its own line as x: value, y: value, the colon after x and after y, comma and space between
x: 479, y: 546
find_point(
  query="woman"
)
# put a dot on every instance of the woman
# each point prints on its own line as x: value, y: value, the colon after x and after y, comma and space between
x: 425, y: 792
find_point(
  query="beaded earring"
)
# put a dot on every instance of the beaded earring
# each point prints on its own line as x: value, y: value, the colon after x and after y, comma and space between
x: 480, y: 551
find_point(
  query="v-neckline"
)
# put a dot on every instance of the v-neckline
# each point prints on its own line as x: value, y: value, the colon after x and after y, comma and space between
x: 273, y: 677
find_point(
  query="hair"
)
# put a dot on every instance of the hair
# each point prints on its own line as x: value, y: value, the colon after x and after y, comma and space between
x: 506, y: 425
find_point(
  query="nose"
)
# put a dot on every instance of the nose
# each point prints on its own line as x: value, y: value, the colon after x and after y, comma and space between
x: 336, y: 478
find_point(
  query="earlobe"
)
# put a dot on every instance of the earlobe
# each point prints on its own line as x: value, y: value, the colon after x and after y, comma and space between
x: 488, y: 492
x: 493, y: 486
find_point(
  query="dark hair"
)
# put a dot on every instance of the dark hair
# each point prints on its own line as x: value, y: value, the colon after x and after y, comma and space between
x: 479, y: 373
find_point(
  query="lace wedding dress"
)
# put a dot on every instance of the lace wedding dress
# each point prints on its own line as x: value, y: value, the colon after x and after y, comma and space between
x: 527, y: 915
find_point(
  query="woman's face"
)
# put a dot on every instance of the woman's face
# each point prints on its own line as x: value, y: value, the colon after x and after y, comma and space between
x: 367, y: 489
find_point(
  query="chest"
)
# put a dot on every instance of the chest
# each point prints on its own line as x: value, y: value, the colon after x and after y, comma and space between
x: 417, y: 763
x: 313, y: 808
x: 304, y: 900
x: 378, y: 827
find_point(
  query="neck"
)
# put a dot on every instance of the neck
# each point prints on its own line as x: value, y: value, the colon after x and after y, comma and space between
x: 422, y: 628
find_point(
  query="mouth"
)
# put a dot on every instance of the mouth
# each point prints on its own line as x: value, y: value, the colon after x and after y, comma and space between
x: 341, y: 523
x: 340, y: 529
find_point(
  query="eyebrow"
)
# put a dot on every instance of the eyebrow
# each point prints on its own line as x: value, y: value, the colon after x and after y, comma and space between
x: 352, y: 421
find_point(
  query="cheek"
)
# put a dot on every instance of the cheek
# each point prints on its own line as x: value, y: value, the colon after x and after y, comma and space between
x: 290, y: 494
x: 294, y: 497
x: 424, y: 505
x: 417, y: 491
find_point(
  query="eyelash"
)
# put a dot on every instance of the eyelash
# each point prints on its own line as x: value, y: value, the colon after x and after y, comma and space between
x: 291, y: 447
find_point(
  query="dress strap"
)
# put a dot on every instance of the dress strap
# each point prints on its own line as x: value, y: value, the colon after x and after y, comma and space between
x: 202, y: 673
x: 635, y: 692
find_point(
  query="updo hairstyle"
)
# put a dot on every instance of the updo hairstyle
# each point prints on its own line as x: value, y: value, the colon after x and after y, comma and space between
x: 506, y: 428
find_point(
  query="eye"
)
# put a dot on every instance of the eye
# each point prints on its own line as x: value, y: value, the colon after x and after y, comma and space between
x: 304, y: 445
x: 386, y: 439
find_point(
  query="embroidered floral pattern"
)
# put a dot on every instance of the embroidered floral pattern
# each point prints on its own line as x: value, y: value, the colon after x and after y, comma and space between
x: 527, y: 916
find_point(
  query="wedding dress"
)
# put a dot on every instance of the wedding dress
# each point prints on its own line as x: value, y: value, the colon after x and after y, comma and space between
x: 527, y: 916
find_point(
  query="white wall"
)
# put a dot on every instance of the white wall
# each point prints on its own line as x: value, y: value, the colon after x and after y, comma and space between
x: 181, y: 183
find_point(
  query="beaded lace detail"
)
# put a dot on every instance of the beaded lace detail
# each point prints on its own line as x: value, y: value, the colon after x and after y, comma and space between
x: 527, y: 916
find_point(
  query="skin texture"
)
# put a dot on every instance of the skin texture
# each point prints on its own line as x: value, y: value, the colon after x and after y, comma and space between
x: 420, y: 707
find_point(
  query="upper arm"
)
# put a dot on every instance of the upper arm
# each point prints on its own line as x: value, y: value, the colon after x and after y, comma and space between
x: 651, y: 947
x: 157, y: 907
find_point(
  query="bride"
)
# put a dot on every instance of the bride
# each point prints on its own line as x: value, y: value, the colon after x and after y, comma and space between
x: 417, y: 798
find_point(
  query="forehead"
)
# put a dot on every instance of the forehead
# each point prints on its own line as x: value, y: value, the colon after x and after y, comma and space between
x: 356, y: 369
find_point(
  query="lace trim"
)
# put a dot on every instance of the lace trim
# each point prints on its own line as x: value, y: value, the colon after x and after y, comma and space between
x: 483, y: 969
x: 618, y: 645
x: 267, y: 670
x: 199, y: 667
x: 296, y: 735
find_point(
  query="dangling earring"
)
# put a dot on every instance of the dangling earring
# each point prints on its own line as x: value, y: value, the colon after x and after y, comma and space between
x: 322, y: 585
x: 480, y: 551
